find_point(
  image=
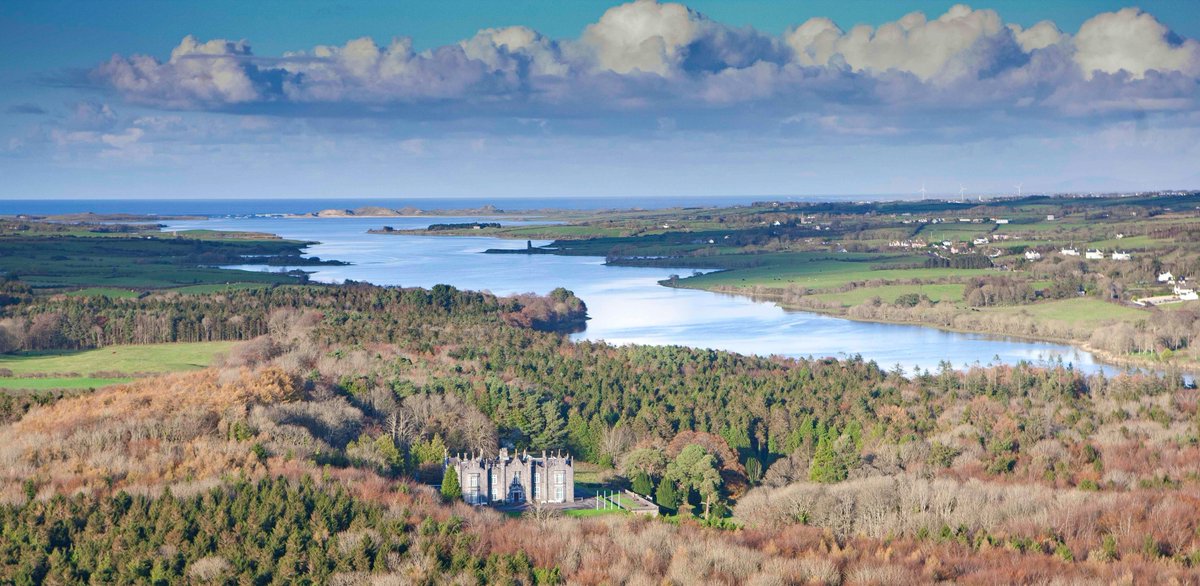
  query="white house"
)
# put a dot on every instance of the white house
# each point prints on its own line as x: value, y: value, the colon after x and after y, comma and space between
x: 1001, y: 221
x: 1049, y: 217
x: 1186, y: 294
x: 1121, y: 255
x: 979, y: 241
x: 1032, y: 255
x: 1093, y: 255
x: 1166, y: 277
x: 1069, y: 252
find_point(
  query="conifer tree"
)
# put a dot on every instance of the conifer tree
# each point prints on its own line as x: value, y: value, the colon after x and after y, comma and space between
x: 450, y: 487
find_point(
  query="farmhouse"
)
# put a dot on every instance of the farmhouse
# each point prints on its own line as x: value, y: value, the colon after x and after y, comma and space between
x: 515, y: 479
x: 1094, y: 255
x: 1032, y: 255
x: 1166, y: 277
x: 1121, y: 255
x: 1069, y: 252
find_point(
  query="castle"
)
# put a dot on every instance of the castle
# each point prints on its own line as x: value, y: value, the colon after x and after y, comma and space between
x: 515, y: 479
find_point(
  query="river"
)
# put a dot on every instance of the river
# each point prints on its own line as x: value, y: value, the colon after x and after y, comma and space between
x: 627, y: 305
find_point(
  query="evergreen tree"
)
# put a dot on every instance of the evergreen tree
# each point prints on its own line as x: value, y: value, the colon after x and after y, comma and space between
x: 667, y: 495
x: 450, y: 488
x: 642, y: 484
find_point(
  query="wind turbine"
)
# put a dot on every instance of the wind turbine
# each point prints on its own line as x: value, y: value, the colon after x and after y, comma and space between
x: 1019, y: 189
x: 962, y: 197
x: 922, y: 190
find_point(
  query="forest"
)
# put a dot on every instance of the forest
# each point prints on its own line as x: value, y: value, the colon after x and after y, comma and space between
x: 767, y: 469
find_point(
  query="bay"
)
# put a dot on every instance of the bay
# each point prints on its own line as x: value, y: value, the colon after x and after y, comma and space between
x: 626, y: 304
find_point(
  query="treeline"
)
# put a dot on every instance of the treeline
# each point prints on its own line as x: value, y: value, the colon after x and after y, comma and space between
x: 461, y: 226
x: 962, y: 261
x: 272, y: 531
x: 66, y: 322
x: 989, y: 291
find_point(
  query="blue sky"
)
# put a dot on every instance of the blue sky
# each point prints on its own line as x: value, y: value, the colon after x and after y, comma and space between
x: 276, y: 99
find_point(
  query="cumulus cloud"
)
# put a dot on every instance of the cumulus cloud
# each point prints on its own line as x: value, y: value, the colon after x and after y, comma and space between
x: 960, y: 42
x: 1133, y: 41
x: 656, y: 60
x: 649, y: 37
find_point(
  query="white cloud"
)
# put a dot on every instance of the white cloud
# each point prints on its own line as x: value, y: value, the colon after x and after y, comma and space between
x: 1038, y: 36
x: 1133, y: 41
x: 664, y: 59
x: 946, y: 46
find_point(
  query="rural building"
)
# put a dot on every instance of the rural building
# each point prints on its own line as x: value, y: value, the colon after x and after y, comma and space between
x: 979, y: 241
x: 1032, y: 255
x: 1121, y: 255
x: 515, y: 479
x: 1166, y: 277
x: 1094, y: 255
x: 1186, y: 294
x: 1069, y: 252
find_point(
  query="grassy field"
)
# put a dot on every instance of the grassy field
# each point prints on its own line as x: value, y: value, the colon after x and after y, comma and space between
x: 110, y: 292
x: 124, y: 359
x: 942, y: 292
x: 1076, y: 311
x: 45, y: 384
x: 818, y: 274
x: 217, y: 288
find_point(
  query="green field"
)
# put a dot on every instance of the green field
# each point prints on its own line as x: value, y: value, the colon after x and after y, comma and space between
x: 1129, y: 242
x: 216, y: 288
x: 45, y: 384
x: 821, y: 273
x: 1076, y: 311
x: 135, y: 358
x: 110, y: 292
x: 952, y: 292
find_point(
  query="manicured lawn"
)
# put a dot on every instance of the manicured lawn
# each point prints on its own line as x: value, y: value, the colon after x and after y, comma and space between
x: 594, y: 512
x: 123, y: 359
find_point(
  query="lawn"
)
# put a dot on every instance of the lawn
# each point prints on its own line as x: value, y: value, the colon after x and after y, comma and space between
x: 122, y: 359
x: 593, y: 512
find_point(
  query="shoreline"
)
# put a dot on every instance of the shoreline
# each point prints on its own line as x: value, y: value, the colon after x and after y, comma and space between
x: 1101, y: 355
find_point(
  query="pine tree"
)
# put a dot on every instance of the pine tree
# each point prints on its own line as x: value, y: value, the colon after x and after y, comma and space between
x: 450, y: 487
x: 667, y: 496
x: 642, y: 484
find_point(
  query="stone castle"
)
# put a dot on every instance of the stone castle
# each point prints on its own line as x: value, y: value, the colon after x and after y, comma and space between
x: 515, y: 479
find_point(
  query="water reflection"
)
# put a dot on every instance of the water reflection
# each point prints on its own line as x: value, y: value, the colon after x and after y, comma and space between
x: 626, y: 304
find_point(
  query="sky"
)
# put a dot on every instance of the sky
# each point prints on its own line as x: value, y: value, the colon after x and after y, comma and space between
x: 524, y: 98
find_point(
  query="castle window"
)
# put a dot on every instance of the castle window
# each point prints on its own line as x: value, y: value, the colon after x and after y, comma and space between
x: 472, y: 491
x: 560, y: 481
